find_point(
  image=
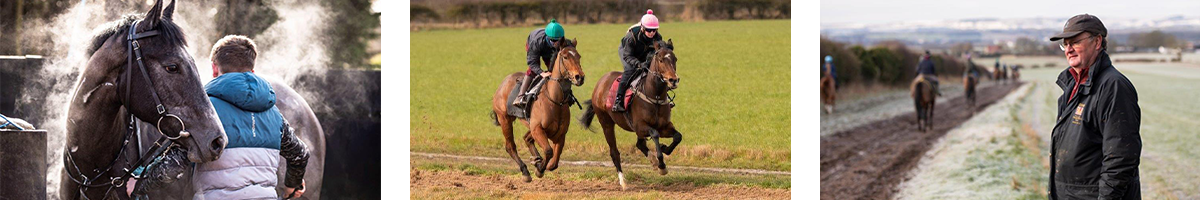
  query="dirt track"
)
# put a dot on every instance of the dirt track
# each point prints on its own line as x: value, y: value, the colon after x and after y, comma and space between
x: 459, y: 184
x: 868, y: 161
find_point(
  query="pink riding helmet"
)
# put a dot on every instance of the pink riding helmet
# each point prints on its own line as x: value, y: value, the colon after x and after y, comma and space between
x: 649, y: 21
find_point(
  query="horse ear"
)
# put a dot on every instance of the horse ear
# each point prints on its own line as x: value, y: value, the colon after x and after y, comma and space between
x: 657, y: 45
x: 575, y: 42
x: 169, y: 11
x: 152, y: 17
x: 670, y: 44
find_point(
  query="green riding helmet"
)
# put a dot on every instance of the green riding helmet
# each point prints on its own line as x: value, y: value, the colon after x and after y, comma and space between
x: 554, y: 31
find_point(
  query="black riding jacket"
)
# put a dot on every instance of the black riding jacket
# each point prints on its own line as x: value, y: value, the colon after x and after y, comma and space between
x: 538, y: 49
x: 636, y: 47
x: 1096, y: 145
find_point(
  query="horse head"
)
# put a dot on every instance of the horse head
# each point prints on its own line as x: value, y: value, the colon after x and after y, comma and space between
x: 156, y: 80
x: 568, y: 60
x: 663, y: 63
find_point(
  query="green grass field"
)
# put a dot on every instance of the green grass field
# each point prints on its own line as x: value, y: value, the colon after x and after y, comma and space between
x: 733, y: 99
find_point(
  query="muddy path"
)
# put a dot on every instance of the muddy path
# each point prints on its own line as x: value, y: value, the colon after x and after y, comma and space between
x: 868, y: 161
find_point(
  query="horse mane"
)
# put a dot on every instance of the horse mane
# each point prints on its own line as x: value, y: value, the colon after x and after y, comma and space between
x: 166, y: 28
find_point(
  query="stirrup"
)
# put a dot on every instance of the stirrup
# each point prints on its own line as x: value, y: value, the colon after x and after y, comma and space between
x: 617, y: 107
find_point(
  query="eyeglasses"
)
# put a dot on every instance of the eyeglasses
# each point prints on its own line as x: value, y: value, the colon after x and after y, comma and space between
x: 1067, y: 44
x: 651, y: 30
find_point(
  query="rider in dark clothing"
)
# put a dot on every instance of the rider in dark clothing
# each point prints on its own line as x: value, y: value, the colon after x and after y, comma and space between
x: 539, y: 47
x: 635, y: 51
x: 926, y: 70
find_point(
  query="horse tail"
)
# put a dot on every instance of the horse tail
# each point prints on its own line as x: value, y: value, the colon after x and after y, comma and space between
x: 588, y: 114
x: 494, y: 120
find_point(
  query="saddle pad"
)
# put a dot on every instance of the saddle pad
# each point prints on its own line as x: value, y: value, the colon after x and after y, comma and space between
x: 518, y: 112
x: 612, y: 93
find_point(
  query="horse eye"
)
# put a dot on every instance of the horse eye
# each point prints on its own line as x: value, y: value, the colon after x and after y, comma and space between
x: 172, y: 68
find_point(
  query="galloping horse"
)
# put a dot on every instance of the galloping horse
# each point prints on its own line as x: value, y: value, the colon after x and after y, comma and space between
x: 301, y: 118
x: 923, y: 97
x: 549, y: 115
x: 138, y: 69
x: 828, y: 92
x: 649, y: 116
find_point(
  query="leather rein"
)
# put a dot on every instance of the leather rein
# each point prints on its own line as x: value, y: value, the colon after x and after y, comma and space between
x: 160, y: 147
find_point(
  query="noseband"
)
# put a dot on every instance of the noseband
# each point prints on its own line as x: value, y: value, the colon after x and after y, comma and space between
x: 138, y: 167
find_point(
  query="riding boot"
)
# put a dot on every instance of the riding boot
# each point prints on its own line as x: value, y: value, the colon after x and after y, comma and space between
x: 521, y: 97
x: 619, y: 104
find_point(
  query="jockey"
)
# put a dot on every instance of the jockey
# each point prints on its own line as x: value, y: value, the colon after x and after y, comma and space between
x: 636, y: 49
x: 541, y: 44
x: 972, y: 70
x: 926, y: 70
x: 829, y: 68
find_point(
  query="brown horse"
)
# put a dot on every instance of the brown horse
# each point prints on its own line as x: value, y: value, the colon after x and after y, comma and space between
x: 923, y: 97
x: 828, y: 92
x: 969, y: 84
x: 649, y: 113
x: 549, y: 115
x: 138, y: 67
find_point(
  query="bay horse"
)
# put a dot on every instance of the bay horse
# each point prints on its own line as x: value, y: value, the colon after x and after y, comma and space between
x: 828, y: 92
x: 969, y: 84
x: 649, y: 113
x: 549, y: 116
x: 923, y: 97
x: 303, y: 121
x: 138, y: 69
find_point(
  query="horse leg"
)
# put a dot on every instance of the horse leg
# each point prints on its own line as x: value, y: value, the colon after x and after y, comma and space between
x: 558, y: 147
x: 538, y: 162
x: 607, y: 124
x: 929, y: 121
x: 539, y: 136
x: 676, y: 137
x: 641, y: 146
x: 511, y: 147
x: 920, y: 114
x: 657, y: 158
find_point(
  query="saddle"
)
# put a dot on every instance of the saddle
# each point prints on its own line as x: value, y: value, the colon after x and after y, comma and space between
x: 612, y: 91
x: 538, y: 82
x: 523, y: 111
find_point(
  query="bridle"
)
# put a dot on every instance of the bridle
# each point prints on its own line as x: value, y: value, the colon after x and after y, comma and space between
x: 160, y: 148
x: 662, y: 100
x: 565, y: 86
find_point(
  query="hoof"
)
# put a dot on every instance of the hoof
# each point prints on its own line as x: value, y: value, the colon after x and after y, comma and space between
x: 621, y: 177
x: 528, y: 179
x: 662, y: 171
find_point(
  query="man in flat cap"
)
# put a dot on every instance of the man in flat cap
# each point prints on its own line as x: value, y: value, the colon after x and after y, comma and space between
x: 1095, y: 147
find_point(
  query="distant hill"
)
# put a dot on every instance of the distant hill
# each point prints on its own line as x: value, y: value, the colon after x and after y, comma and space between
x: 991, y: 30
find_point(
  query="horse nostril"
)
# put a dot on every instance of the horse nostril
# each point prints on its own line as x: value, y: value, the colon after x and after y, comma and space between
x: 218, y: 144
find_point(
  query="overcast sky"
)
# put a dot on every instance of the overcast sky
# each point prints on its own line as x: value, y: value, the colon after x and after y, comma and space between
x: 884, y: 11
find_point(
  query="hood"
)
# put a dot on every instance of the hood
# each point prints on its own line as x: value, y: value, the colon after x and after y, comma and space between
x: 244, y: 90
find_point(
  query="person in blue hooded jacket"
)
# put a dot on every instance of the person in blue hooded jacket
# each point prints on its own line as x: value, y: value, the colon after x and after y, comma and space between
x: 258, y: 134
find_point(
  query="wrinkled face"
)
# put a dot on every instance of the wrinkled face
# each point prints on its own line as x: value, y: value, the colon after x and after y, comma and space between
x: 1081, y: 49
x: 570, y: 62
x: 170, y: 73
